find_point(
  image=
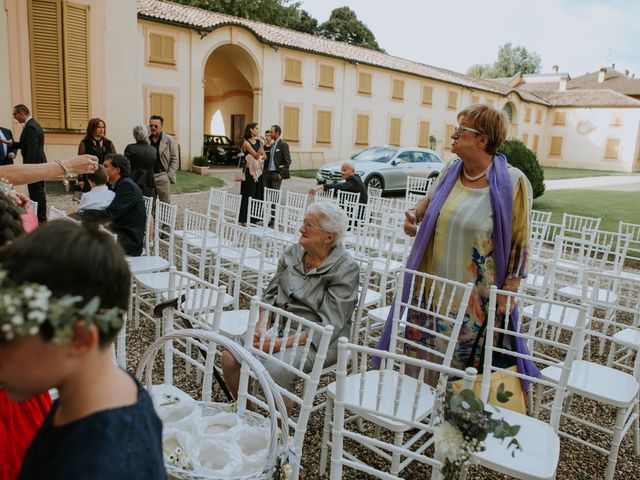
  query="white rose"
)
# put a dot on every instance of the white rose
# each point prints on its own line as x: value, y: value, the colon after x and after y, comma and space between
x: 448, y: 441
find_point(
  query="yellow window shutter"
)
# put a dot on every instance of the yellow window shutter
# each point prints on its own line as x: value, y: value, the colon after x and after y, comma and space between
x: 448, y: 131
x: 427, y: 95
x: 167, y: 102
x: 394, y: 131
x: 155, y: 47
x: 534, y: 146
x: 364, y: 83
x: 559, y: 118
x: 527, y: 114
x: 556, y: 146
x: 453, y: 100
x: 398, y: 89
x: 362, y: 130
x: 293, y: 70
x: 475, y: 99
x: 291, y: 124
x: 168, y: 49
x: 525, y: 139
x: 162, y: 49
x: 612, y: 150
x: 45, y: 31
x: 538, y: 116
x: 617, y: 119
x: 323, y: 127
x: 326, y: 76
x: 423, y: 135
x: 76, y: 65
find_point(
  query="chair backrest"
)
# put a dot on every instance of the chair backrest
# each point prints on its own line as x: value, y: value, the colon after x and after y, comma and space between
x: 258, y: 212
x: 538, y: 320
x: 231, y: 208
x: 148, y: 230
x: 345, y: 197
x: 298, y: 200
x: 574, y: 225
x: 164, y: 228
x: 272, y: 195
x: 632, y: 229
x: 195, y: 235
x: 325, y: 196
x: 428, y: 323
x: 572, y: 257
x: 279, y: 323
x: 540, y: 225
x: 618, y: 244
x: 229, y: 254
x: 288, y: 220
x: 395, y: 397
x: 373, y: 192
x: 417, y: 185
x: 57, y: 214
x: 216, y: 201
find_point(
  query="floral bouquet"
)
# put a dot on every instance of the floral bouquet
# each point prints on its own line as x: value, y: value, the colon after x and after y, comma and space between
x: 463, y: 426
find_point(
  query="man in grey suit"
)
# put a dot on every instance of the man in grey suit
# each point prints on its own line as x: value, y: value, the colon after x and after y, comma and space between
x: 7, y: 147
x: 277, y: 168
x: 31, y: 145
x: 166, y: 164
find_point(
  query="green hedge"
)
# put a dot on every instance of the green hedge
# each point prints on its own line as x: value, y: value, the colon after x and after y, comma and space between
x: 521, y: 157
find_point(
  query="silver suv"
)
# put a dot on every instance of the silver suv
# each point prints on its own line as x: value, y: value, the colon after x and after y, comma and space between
x: 387, y: 167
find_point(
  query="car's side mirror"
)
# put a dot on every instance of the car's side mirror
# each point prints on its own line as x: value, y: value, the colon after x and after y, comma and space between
x: 353, y: 156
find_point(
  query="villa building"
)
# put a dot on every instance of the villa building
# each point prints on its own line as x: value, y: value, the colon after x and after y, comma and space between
x: 205, y: 72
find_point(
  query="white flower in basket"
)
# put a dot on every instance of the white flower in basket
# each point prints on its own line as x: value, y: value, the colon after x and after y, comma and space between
x: 180, y: 448
x: 172, y: 404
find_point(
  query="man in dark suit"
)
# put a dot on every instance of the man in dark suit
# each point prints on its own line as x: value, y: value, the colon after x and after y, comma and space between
x: 126, y: 212
x: 32, y: 146
x: 7, y: 147
x: 277, y: 167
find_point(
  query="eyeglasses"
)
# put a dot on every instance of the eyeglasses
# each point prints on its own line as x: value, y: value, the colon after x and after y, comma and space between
x: 310, y: 226
x: 153, y: 126
x: 460, y: 129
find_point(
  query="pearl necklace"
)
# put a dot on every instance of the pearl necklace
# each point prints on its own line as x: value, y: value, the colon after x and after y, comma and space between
x: 477, y: 177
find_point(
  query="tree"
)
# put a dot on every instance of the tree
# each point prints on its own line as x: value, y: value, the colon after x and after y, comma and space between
x: 521, y: 157
x: 511, y: 60
x: 344, y: 26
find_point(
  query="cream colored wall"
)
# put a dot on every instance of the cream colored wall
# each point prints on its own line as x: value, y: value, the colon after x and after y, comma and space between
x: 6, y: 119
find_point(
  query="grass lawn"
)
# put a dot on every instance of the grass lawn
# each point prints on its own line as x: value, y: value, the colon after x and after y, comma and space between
x: 611, y: 206
x: 554, y: 173
x: 304, y: 173
x: 192, y: 182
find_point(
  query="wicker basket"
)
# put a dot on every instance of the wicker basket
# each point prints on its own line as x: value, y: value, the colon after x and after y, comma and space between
x: 273, y: 399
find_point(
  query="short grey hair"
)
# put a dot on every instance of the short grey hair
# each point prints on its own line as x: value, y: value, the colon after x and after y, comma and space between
x: 140, y: 133
x: 331, y: 219
x: 350, y: 164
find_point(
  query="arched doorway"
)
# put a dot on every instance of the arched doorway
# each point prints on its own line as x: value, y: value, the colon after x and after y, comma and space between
x: 509, y: 110
x: 230, y: 79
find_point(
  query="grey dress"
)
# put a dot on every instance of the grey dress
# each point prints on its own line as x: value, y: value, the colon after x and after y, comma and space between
x: 326, y: 295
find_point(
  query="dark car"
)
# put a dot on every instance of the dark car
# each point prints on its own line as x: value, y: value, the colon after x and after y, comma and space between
x: 220, y: 150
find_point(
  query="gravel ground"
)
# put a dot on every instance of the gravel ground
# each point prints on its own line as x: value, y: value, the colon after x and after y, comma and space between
x: 576, y: 462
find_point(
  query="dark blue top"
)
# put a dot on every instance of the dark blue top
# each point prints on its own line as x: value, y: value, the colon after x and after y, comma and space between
x: 121, y: 443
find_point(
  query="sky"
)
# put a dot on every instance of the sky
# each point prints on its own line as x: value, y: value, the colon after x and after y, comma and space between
x: 577, y: 35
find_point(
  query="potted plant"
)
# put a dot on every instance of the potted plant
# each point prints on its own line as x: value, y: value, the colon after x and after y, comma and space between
x: 200, y: 165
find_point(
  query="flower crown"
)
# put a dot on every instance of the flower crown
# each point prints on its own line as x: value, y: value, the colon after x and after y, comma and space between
x: 24, y: 308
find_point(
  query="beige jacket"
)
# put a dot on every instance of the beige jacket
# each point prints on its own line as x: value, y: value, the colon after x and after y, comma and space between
x: 169, y: 155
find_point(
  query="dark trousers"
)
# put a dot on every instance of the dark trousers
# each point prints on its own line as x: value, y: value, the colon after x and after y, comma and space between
x: 248, y: 189
x: 36, y: 193
x: 272, y: 180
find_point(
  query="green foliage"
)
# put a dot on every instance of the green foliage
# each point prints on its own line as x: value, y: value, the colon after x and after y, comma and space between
x: 511, y: 60
x: 201, y: 161
x: 192, y: 182
x: 521, y: 157
x: 344, y: 26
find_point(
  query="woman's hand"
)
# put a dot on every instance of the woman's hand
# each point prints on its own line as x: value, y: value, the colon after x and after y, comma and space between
x: 410, y: 222
x: 81, y: 164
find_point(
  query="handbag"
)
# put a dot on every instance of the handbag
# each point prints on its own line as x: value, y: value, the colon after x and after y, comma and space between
x: 238, y: 176
x: 518, y: 401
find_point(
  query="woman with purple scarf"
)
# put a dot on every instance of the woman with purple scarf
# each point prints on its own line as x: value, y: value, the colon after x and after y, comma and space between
x: 473, y: 226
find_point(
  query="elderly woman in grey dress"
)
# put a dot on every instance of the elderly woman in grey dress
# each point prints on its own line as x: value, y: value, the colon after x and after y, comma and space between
x: 316, y: 279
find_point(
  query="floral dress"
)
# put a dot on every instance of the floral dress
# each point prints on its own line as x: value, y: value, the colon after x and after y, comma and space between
x: 462, y: 250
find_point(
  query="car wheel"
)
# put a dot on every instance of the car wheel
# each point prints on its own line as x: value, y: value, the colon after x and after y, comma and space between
x: 374, y: 181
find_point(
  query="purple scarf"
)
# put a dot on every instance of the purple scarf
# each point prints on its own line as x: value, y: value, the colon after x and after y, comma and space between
x: 501, y: 197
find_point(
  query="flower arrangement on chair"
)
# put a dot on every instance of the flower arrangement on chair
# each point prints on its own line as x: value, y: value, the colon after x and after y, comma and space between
x: 463, y: 425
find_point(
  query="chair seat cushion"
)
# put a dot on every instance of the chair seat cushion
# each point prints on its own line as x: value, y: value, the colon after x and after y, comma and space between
x: 628, y: 337
x: 566, y: 317
x: 147, y: 263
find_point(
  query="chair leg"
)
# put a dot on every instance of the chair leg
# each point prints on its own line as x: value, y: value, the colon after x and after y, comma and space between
x: 636, y: 430
x: 326, y: 434
x: 398, y: 440
x: 615, y: 443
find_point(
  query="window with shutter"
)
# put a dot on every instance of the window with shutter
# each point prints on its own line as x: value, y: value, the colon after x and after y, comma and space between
x: 427, y: 95
x: 475, y: 99
x: 364, y: 83
x: 323, y: 127
x: 538, y: 116
x: 617, y: 119
x: 362, y: 130
x: 326, y: 76
x: 490, y: 102
x: 162, y: 49
x: 555, y: 148
x: 163, y: 104
x: 292, y: 70
x: 534, y: 146
x: 423, y: 135
x: 452, y: 104
x: 527, y: 114
x: 612, y: 150
x: 559, y: 118
x: 291, y: 124
x: 394, y: 131
x: 76, y: 65
x: 398, y: 89
x: 525, y: 139
x: 448, y: 131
